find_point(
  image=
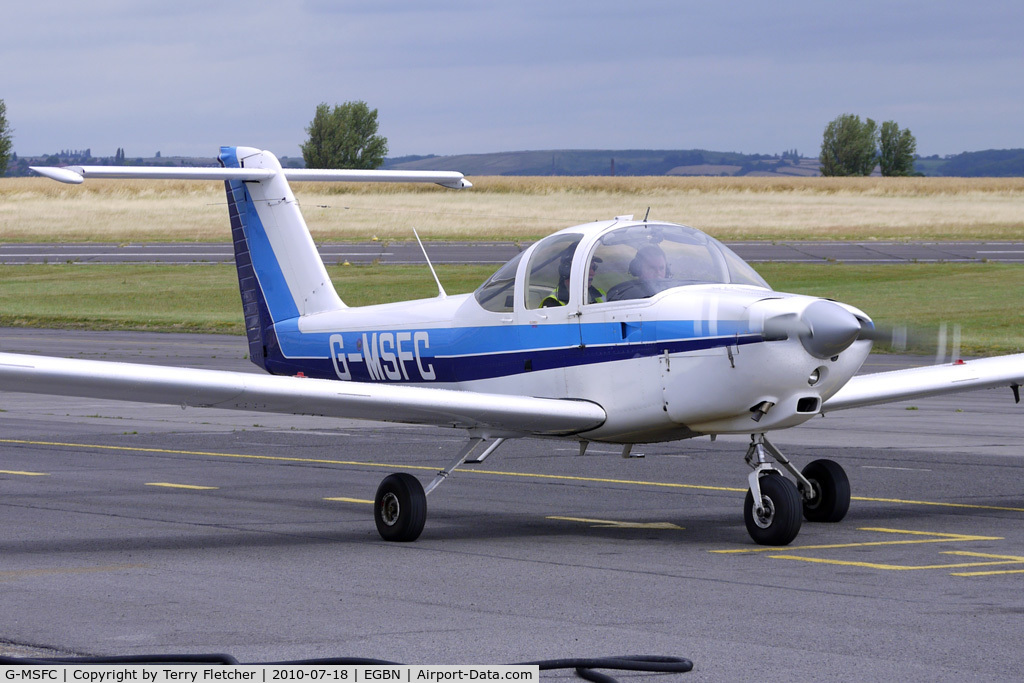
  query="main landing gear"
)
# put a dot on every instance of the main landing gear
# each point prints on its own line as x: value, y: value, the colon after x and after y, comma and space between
x: 400, y: 506
x: 821, y: 494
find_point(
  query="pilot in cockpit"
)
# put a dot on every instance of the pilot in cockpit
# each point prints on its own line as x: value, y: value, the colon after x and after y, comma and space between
x: 649, y: 264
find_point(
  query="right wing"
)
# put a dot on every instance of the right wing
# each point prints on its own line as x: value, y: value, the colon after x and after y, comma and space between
x: 932, y: 380
x: 488, y: 414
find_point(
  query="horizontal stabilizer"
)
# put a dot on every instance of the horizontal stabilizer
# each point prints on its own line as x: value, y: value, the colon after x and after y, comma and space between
x: 76, y: 174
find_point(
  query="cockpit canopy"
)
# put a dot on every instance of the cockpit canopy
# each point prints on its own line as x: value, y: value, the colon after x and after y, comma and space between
x: 634, y: 261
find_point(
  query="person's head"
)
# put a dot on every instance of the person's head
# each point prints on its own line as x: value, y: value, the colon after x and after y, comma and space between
x: 593, y: 269
x: 650, y: 263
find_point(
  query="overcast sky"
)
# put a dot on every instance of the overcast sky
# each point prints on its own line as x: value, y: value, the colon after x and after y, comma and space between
x: 464, y: 76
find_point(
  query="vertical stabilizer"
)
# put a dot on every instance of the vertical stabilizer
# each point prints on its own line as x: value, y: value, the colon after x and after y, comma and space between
x: 280, y: 273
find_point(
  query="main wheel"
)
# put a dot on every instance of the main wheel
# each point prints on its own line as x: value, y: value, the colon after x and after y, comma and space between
x: 831, y: 491
x: 779, y: 523
x: 400, y: 508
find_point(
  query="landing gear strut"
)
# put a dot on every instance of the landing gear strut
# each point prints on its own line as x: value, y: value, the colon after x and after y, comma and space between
x: 774, y: 506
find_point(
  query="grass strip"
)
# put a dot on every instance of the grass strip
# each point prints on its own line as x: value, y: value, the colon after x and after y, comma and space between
x: 984, y: 298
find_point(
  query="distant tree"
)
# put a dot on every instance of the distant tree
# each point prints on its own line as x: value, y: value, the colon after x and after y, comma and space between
x: 344, y: 137
x: 849, y: 147
x: 896, y: 157
x: 6, y: 139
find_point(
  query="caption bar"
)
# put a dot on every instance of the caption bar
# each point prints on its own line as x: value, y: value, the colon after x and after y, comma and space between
x: 265, y: 673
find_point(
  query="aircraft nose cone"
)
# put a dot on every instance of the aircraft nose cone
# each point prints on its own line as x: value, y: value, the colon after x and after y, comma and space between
x: 829, y: 329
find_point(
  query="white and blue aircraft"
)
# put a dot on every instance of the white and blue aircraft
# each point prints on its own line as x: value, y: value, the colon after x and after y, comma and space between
x: 618, y: 331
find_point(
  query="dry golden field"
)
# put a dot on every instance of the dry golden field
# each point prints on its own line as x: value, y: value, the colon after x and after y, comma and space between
x: 37, y: 209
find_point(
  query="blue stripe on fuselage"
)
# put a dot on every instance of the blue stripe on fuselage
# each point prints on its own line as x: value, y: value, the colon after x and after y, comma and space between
x: 474, y: 353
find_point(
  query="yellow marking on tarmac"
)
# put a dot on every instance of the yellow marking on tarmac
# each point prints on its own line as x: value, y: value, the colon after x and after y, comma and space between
x: 434, y: 468
x: 191, y: 487
x: 612, y: 524
x: 881, y: 565
x: 341, y: 499
x: 25, y: 474
x: 932, y: 537
x: 963, y: 506
x: 1007, y: 559
x: 357, y: 463
x: 922, y: 537
x: 28, y: 573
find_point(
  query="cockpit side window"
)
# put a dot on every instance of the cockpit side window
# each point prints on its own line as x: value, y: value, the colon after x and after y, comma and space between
x: 547, y: 274
x: 497, y: 294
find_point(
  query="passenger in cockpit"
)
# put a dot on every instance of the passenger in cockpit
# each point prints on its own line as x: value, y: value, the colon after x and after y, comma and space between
x: 560, y: 296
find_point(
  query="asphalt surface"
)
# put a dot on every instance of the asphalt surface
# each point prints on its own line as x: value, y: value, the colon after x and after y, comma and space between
x: 131, y: 529
x: 500, y: 252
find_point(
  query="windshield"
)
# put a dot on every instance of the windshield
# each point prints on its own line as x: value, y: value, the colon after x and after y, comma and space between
x: 639, y: 261
x: 498, y: 293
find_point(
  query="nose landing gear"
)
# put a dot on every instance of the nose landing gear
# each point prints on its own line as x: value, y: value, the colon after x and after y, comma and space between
x: 774, y: 506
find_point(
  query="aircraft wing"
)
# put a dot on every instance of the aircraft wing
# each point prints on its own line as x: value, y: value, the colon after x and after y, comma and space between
x: 489, y: 414
x: 932, y: 380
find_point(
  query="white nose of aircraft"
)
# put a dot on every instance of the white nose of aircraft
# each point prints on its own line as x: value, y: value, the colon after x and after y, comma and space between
x: 825, y: 328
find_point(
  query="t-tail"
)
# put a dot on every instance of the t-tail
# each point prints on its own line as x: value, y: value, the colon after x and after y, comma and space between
x: 281, y: 276
x: 280, y: 273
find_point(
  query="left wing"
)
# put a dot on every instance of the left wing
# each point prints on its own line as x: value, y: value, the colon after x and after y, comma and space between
x: 488, y: 414
x: 902, y: 385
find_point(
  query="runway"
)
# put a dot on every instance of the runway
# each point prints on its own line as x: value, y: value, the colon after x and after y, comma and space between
x: 131, y: 529
x: 500, y: 252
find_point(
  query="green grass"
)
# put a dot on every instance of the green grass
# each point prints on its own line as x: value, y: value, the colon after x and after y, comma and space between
x: 984, y: 298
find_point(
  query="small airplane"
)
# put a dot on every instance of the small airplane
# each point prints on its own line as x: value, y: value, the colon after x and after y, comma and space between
x: 619, y: 331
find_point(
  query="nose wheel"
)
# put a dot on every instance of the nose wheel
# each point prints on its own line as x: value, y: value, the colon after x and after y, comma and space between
x: 774, y: 506
x: 776, y: 521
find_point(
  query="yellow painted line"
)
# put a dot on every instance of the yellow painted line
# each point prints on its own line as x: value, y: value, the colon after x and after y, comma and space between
x: 240, y: 456
x: 357, y: 463
x: 191, y: 487
x: 612, y: 524
x: 879, y: 565
x: 992, y: 573
x: 28, y: 573
x: 25, y: 474
x: 434, y: 468
x: 967, y: 553
x: 1008, y: 559
x: 932, y: 537
x: 961, y: 506
x: 351, y: 500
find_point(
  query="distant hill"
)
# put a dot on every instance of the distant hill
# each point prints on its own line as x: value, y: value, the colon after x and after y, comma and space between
x: 633, y: 162
x: 991, y: 163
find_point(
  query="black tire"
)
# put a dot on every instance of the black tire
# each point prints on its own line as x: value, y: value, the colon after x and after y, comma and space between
x: 781, y: 522
x: 400, y: 508
x: 831, y: 486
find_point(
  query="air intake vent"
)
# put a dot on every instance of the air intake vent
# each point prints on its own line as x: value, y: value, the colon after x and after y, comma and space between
x: 808, y: 404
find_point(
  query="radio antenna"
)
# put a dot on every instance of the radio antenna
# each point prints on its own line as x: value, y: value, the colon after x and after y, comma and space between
x: 647, y: 214
x: 440, y: 290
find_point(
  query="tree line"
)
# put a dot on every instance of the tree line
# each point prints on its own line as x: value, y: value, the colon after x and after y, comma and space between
x: 346, y: 136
